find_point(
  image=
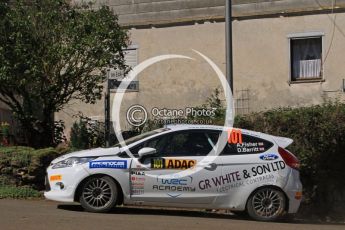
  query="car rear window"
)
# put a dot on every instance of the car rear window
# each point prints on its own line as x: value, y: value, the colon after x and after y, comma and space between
x: 249, y: 145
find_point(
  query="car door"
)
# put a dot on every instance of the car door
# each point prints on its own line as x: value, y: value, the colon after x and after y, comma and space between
x: 178, y: 172
x: 242, y: 163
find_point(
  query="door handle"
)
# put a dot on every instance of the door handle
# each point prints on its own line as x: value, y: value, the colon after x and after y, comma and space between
x: 209, y: 166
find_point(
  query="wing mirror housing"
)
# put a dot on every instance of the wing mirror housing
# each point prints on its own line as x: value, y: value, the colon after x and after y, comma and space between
x: 144, y: 152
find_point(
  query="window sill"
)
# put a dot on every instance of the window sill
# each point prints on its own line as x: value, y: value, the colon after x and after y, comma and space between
x: 307, y: 80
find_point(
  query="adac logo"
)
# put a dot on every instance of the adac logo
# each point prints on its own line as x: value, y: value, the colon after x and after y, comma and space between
x: 268, y: 157
x: 161, y: 163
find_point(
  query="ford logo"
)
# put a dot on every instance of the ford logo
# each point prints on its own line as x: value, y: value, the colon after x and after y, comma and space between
x: 268, y: 157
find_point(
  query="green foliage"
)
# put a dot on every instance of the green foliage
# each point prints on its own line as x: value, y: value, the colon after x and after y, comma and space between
x: 4, y: 133
x: 146, y: 127
x: 59, y: 136
x: 52, y: 52
x: 86, y: 134
x: 18, y: 192
x: 212, y: 103
x: 319, y: 142
x: 21, y: 166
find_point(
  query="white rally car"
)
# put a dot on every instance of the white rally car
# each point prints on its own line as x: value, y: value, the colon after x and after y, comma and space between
x: 189, y: 166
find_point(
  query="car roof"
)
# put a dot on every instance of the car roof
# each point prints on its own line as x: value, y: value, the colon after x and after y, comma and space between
x: 175, y: 127
x: 188, y: 126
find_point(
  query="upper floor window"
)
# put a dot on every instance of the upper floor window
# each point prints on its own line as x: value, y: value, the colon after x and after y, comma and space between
x: 306, y: 58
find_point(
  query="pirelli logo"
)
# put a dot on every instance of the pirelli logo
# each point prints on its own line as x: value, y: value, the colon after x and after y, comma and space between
x: 161, y: 163
x: 234, y: 136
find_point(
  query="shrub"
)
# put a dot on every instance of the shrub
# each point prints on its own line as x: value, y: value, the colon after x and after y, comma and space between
x: 4, y: 131
x: 87, y: 133
x: 212, y: 102
x: 20, y: 166
x: 18, y: 192
x: 319, y: 142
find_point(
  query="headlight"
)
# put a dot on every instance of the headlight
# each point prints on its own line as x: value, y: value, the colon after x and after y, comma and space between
x: 69, y: 162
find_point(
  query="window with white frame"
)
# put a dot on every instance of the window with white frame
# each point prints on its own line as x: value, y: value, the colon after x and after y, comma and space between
x: 306, y: 58
x: 116, y: 77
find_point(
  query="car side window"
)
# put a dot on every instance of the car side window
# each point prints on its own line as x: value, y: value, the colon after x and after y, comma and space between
x: 249, y: 145
x: 157, y: 143
x: 134, y: 150
x: 181, y: 143
x: 187, y: 143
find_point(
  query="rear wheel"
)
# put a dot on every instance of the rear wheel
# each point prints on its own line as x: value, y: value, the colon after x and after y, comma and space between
x: 266, y: 204
x: 99, y: 194
x: 241, y: 214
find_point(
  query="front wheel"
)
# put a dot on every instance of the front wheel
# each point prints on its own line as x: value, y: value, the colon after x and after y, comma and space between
x: 266, y: 204
x: 99, y: 194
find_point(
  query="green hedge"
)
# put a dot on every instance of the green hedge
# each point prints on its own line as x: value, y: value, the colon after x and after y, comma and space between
x: 319, y: 142
x: 24, y: 166
x: 7, y: 191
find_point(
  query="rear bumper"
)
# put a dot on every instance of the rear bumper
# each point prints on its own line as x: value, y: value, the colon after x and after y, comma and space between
x: 293, y: 189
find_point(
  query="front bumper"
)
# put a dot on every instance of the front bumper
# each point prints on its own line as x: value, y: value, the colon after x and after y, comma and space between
x: 62, y: 183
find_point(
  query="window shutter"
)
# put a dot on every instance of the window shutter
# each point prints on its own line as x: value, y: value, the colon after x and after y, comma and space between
x: 117, y: 76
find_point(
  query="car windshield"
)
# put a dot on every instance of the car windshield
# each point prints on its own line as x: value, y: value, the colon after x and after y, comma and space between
x: 140, y: 136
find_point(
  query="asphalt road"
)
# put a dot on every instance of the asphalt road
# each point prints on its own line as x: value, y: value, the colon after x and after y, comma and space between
x: 47, y: 215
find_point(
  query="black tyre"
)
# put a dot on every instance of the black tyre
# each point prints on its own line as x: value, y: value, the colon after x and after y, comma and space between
x: 266, y: 204
x: 241, y: 214
x: 99, y: 194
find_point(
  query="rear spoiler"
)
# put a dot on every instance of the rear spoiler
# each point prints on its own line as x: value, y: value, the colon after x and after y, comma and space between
x: 282, y: 141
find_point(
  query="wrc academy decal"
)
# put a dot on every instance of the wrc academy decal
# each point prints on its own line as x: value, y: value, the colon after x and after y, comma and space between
x: 236, y: 179
x: 111, y: 164
x: 174, y: 185
x: 162, y: 163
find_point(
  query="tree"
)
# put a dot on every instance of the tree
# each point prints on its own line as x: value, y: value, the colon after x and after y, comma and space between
x: 52, y: 52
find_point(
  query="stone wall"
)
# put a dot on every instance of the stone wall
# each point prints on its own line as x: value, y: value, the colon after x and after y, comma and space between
x: 157, y: 12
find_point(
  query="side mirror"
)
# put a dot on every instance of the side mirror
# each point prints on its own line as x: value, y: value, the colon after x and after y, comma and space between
x: 146, y: 152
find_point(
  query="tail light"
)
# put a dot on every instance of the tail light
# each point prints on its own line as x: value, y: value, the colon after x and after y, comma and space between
x: 290, y: 159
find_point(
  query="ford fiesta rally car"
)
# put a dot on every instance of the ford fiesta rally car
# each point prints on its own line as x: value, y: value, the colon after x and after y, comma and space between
x: 189, y: 166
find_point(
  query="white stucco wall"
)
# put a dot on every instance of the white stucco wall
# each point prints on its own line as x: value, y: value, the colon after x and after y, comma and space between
x: 261, y: 64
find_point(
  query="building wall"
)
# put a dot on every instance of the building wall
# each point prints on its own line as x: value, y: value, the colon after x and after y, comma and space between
x: 175, y: 83
x: 261, y: 63
x: 260, y: 47
x: 135, y: 13
x: 261, y: 51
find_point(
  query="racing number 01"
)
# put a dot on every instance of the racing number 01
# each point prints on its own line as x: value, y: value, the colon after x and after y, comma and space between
x: 234, y: 136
